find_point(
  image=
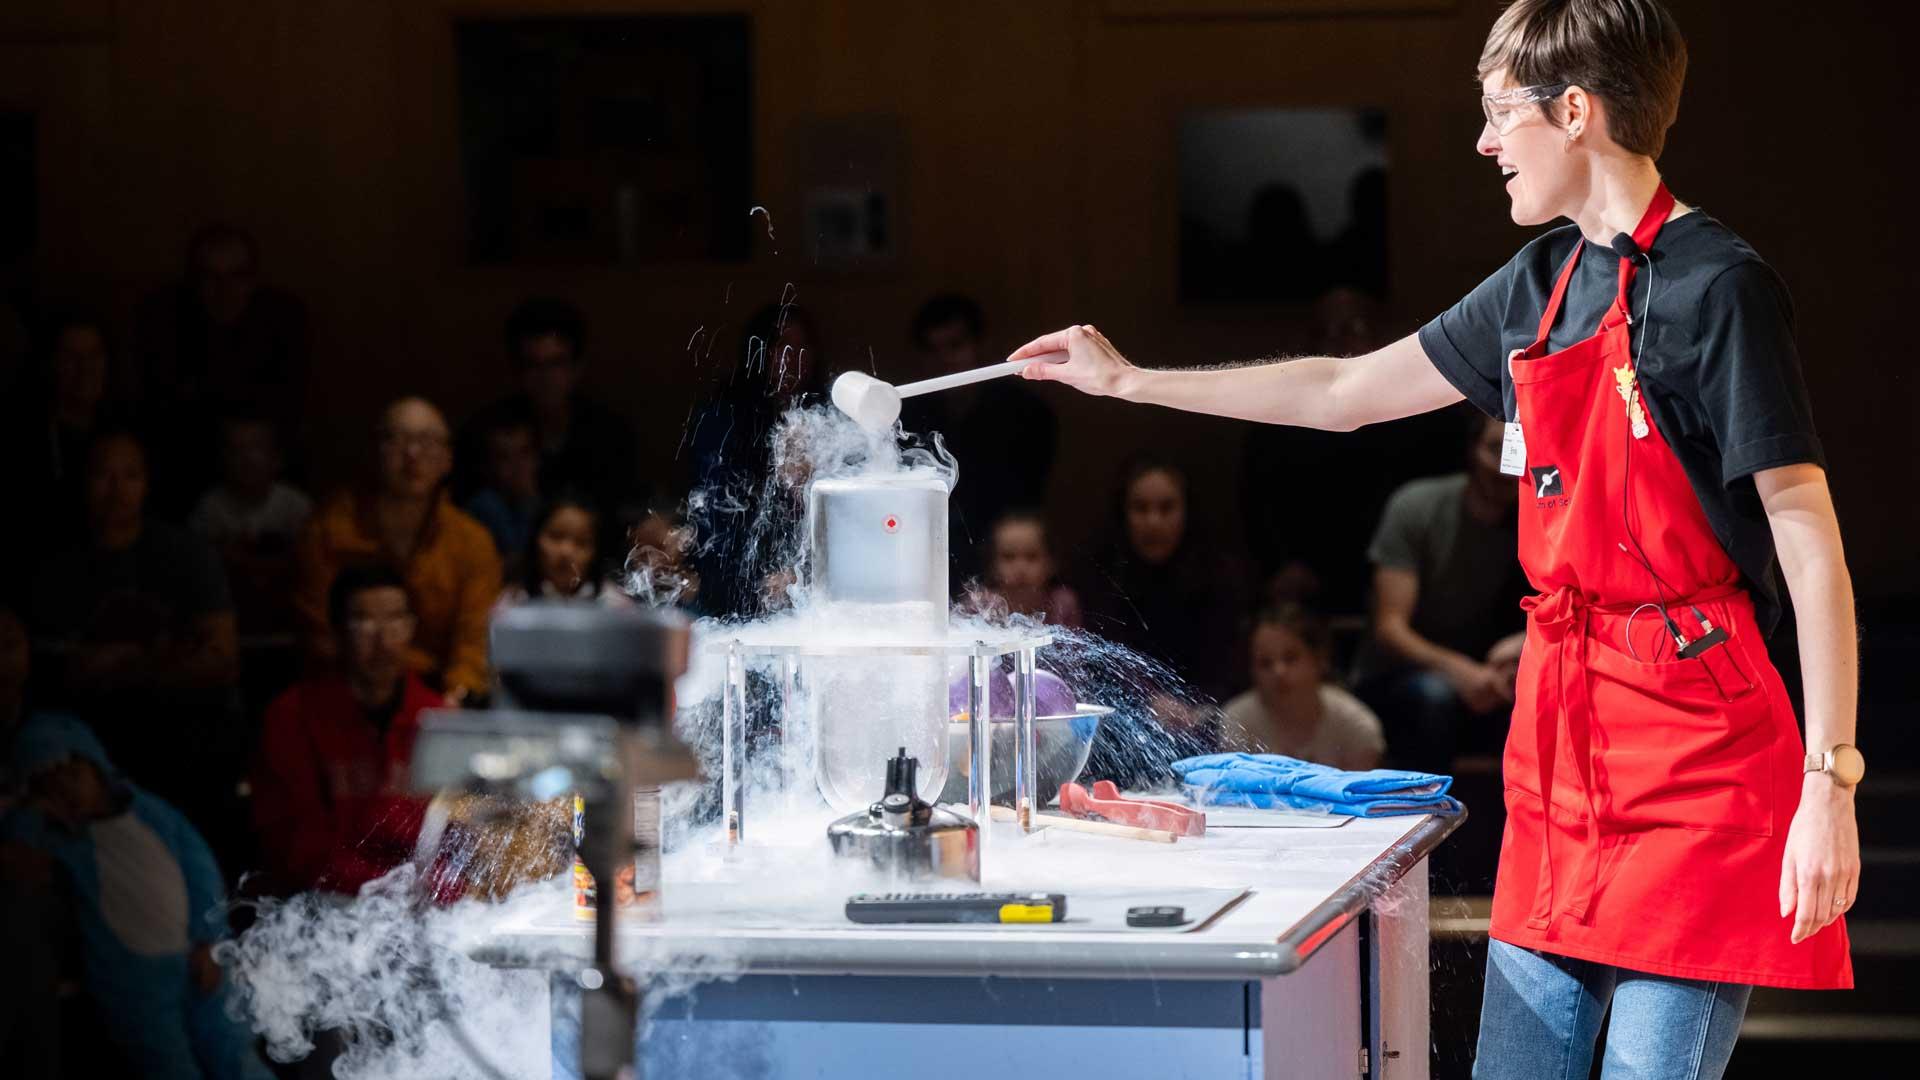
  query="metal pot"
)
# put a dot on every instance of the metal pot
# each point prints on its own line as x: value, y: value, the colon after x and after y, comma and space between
x: 1063, y: 743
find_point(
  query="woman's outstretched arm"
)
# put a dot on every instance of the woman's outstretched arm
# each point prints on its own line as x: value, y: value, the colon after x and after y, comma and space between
x: 1325, y: 392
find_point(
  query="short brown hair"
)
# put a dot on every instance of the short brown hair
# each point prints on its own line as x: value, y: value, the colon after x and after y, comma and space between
x: 1301, y: 621
x: 1628, y: 53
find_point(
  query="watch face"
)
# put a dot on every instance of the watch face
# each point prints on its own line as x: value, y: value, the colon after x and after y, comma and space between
x: 1848, y: 765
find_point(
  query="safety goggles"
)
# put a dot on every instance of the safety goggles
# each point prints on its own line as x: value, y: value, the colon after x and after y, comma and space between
x: 1507, y: 108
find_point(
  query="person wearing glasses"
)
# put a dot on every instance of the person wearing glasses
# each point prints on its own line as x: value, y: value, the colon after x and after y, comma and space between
x: 405, y: 519
x: 1671, y: 842
x: 330, y: 802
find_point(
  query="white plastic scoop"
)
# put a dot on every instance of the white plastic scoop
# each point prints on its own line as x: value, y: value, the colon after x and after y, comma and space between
x: 875, y: 404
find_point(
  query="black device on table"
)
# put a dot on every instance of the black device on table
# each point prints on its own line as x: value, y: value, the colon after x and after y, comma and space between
x: 982, y: 907
x: 1157, y: 915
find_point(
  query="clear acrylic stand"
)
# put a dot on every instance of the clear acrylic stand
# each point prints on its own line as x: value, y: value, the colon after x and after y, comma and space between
x: 979, y: 655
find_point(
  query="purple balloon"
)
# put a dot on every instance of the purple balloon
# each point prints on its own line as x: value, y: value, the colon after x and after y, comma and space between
x: 1052, y: 696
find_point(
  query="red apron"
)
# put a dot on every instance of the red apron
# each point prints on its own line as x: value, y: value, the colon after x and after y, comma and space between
x: 1648, y: 796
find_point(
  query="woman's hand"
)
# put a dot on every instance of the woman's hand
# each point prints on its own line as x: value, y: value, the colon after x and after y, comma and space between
x: 1820, y: 872
x: 1092, y: 364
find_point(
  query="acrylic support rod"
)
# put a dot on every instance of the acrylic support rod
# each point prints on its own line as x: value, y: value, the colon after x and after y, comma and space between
x: 789, y: 697
x: 1026, y: 757
x: 733, y: 747
x: 980, y: 732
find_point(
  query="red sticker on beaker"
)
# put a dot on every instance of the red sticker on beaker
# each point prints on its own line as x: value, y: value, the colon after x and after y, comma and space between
x: 892, y: 524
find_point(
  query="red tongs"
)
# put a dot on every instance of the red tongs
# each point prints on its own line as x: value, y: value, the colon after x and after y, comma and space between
x: 1105, y: 803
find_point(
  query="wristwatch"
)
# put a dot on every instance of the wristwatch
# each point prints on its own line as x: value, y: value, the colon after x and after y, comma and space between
x: 1843, y: 763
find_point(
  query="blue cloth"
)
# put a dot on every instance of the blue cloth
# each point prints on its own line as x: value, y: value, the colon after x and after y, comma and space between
x: 1276, y: 782
x: 146, y: 998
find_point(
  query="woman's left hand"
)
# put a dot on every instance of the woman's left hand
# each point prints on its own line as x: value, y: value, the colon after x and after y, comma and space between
x: 1820, y: 873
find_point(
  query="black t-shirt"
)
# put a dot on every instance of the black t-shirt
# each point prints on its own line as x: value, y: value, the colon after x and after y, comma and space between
x: 1718, y: 369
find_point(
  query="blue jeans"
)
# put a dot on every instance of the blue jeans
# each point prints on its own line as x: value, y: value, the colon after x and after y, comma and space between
x: 1542, y: 1014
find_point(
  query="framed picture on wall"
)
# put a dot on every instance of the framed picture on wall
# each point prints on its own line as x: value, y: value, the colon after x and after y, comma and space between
x: 1282, y: 204
x: 606, y: 139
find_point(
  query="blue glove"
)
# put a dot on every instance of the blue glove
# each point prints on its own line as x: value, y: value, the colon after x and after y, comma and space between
x: 1273, y: 781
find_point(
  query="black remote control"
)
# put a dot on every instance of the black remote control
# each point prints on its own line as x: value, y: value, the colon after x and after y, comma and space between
x: 1037, y: 907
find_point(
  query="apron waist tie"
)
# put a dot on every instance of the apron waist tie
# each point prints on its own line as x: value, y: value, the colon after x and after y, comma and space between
x: 1561, y: 617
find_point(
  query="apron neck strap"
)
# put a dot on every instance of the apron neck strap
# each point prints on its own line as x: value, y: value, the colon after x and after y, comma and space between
x: 1644, y: 235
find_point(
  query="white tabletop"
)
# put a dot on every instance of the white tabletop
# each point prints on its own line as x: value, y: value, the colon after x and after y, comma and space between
x: 1302, y: 884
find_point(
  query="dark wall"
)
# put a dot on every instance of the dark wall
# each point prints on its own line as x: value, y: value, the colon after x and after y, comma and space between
x: 1031, y: 159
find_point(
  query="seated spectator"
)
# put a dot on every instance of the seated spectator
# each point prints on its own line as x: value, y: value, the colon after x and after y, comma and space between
x: 582, y: 445
x: 33, y: 919
x: 1002, y: 432
x: 137, y: 625
x: 660, y: 572
x: 220, y: 341
x: 48, y: 424
x: 330, y: 801
x: 148, y: 899
x: 1439, y: 669
x: 1292, y: 709
x: 1022, y: 577
x: 1174, y: 601
x: 1159, y: 593
x: 31, y: 924
x: 1320, y: 559
x: 510, y: 496
x: 732, y: 447
x: 405, y: 519
x: 562, y: 560
x: 254, y: 519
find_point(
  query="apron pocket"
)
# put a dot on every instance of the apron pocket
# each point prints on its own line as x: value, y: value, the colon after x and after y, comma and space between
x: 1685, y: 743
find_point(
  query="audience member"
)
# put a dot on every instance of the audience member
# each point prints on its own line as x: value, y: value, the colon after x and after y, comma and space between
x: 1309, y: 556
x: 510, y: 495
x: 1022, y: 576
x: 1003, y: 433
x: 219, y: 342
x: 1446, y: 609
x: 46, y: 428
x: 733, y: 451
x: 1159, y: 593
x: 32, y: 915
x: 1174, y: 601
x: 1292, y: 708
x: 330, y: 783
x: 659, y: 570
x: 582, y: 445
x: 148, y: 899
x: 562, y: 558
x: 137, y: 624
x: 405, y: 519
x: 253, y: 519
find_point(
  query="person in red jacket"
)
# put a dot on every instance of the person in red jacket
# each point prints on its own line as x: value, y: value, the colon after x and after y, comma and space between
x: 330, y: 785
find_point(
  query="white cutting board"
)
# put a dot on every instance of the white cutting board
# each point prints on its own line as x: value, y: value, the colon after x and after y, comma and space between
x: 1247, y: 817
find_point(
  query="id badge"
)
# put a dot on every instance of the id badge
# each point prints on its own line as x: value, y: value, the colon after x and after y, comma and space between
x: 1513, y: 451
